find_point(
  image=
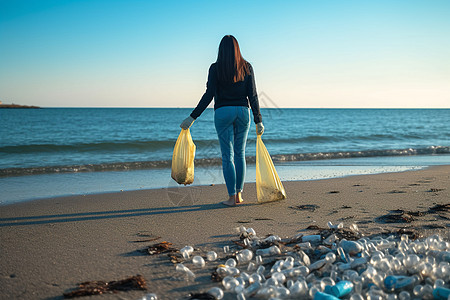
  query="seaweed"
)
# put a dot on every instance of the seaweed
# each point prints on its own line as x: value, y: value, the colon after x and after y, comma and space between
x: 90, y: 288
x: 440, y: 207
x: 163, y: 247
x: 310, y: 207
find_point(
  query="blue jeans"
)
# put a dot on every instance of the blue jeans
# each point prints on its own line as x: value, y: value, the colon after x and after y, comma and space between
x: 232, y: 125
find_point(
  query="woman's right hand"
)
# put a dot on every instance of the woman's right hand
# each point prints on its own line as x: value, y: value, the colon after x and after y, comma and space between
x: 187, y: 122
x: 259, y: 128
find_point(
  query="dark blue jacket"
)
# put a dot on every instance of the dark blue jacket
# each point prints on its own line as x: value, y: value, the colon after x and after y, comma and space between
x: 241, y: 93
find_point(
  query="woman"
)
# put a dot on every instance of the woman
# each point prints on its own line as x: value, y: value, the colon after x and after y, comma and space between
x: 231, y: 83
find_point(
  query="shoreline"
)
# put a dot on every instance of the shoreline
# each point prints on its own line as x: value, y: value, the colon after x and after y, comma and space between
x: 442, y: 151
x: 50, y: 245
x: 29, y: 188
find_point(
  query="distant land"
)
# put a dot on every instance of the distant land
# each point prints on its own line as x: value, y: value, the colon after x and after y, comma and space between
x: 16, y: 106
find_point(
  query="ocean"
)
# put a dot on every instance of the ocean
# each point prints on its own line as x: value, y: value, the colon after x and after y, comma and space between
x: 69, y: 141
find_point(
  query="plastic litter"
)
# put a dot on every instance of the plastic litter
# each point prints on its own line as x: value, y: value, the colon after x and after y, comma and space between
x: 441, y: 293
x: 150, y: 296
x: 395, y: 266
x: 198, y: 261
x: 340, y: 289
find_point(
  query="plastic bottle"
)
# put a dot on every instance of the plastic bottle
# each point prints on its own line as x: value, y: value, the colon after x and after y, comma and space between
x: 331, y: 226
x: 150, y: 296
x: 441, y: 293
x: 404, y: 295
x: 216, y: 292
x: 230, y: 262
x: 358, y: 262
x: 252, y: 288
x: 324, y: 296
x: 299, y: 288
x: 244, y: 256
x: 251, y: 267
x: 251, y: 231
x: 304, y: 246
x: 273, y: 250
x: 186, y: 251
x: 340, y: 289
x: 317, y: 265
x: 185, y: 271
x: 281, y: 292
x: 280, y: 277
x: 198, y: 261
x: 311, y: 238
x: 396, y: 282
x: 230, y: 283
x: 272, y: 238
x: 351, y: 247
x: 211, y: 256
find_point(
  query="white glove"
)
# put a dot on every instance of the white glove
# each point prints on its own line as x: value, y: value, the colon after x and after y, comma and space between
x: 259, y: 128
x: 187, y: 122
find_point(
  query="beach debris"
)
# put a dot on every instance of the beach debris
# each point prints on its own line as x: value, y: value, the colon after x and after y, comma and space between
x: 391, y: 265
x: 198, y: 261
x: 201, y: 296
x: 89, y: 288
x: 150, y: 296
x: 396, y: 192
x: 163, y: 247
x: 402, y: 216
x: 146, y: 240
x: 434, y: 190
x: 439, y: 208
x: 211, y: 255
x: 175, y: 258
x: 185, y: 272
x: 333, y: 192
x: 309, y: 207
x: 186, y: 251
x: 399, y: 217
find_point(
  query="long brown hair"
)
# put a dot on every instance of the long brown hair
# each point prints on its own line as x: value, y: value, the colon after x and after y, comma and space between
x: 231, y: 66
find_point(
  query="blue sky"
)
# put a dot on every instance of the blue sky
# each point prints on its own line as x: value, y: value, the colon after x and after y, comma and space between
x: 157, y: 53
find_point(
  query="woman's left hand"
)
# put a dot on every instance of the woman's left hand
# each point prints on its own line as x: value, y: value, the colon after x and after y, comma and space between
x: 187, y: 122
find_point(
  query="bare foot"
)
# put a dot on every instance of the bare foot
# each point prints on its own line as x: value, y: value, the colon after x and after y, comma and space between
x: 230, y: 202
x: 239, y: 199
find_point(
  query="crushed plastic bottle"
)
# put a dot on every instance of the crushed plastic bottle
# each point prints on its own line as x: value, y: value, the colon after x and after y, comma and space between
x: 216, y: 292
x: 186, y: 251
x: 185, y: 272
x: 198, y: 261
x: 311, y: 238
x: 211, y: 256
x: 150, y: 296
x: 273, y: 250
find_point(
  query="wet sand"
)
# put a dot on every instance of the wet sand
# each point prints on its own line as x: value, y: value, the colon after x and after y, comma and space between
x: 50, y: 245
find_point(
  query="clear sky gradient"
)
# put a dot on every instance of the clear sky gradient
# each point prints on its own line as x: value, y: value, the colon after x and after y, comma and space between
x: 129, y: 53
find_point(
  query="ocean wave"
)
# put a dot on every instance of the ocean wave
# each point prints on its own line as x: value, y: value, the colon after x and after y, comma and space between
x: 134, y: 146
x: 115, y: 146
x: 205, y: 162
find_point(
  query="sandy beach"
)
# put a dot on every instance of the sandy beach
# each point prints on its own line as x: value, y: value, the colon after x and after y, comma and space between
x: 49, y: 246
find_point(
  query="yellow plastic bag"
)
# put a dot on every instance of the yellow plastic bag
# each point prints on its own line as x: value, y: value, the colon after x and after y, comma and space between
x: 268, y: 185
x: 183, y: 158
